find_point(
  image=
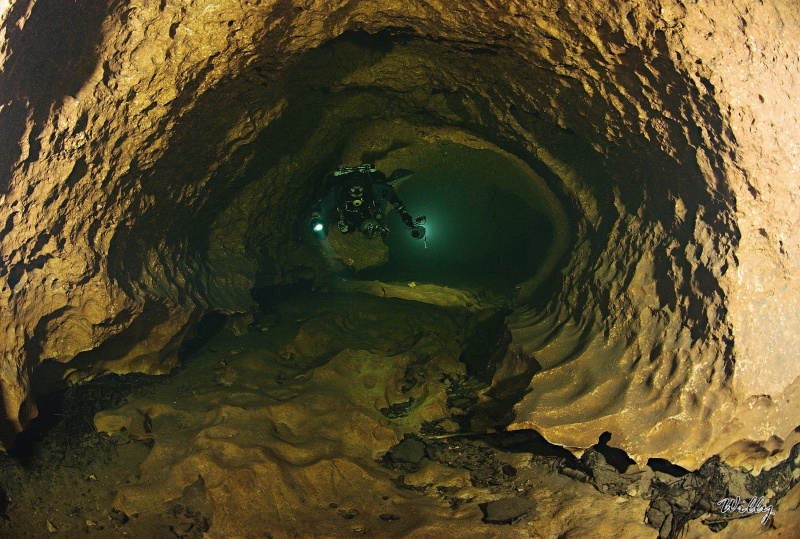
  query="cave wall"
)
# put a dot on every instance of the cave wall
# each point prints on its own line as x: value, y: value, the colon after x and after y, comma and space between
x: 156, y: 162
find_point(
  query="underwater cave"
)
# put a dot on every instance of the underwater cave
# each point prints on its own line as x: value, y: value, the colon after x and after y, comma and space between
x: 603, y: 303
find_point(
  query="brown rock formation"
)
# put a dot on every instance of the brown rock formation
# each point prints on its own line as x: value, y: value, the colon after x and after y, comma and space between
x: 158, y: 158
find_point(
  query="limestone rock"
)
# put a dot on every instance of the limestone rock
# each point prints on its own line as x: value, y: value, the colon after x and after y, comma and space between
x: 356, y: 251
x: 158, y: 160
x: 409, y: 450
x: 506, y: 510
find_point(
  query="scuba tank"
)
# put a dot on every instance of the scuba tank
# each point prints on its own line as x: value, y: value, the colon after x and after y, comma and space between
x: 366, y: 168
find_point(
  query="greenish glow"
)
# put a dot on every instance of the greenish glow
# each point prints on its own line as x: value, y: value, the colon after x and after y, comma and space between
x: 486, y: 226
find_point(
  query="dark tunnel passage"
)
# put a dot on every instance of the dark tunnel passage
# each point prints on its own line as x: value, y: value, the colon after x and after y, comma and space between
x: 483, y: 225
x: 221, y: 227
x: 517, y: 202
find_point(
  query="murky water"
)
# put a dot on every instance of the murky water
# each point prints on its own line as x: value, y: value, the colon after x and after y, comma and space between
x: 490, y: 221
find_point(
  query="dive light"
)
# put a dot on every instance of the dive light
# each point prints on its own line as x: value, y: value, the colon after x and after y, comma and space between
x: 418, y: 231
x: 317, y: 225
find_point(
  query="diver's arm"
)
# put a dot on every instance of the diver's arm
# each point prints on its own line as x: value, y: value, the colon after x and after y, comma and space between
x: 320, y: 210
x: 377, y: 177
x: 398, y: 205
x: 324, y: 205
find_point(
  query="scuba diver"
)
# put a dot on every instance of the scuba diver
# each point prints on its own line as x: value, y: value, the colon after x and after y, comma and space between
x: 360, y: 198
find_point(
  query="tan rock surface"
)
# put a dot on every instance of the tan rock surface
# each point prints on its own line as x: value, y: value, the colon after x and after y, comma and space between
x: 288, y: 449
x: 356, y: 251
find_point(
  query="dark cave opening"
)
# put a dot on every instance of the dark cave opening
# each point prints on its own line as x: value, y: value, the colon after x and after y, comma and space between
x: 486, y: 226
x: 215, y: 227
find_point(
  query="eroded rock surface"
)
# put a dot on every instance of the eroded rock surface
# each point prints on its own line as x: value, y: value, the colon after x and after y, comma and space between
x: 158, y: 158
x: 351, y: 415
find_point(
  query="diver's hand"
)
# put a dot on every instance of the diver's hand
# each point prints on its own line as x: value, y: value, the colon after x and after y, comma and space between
x: 407, y: 220
x: 343, y: 228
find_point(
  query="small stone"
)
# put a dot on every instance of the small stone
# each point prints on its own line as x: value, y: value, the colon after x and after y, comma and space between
x: 409, y: 450
x: 505, y: 511
x: 666, y: 527
x: 450, y: 426
x: 398, y: 409
x: 462, y: 403
x: 118, y: 516
x: 657, y: 513
x: 333, y: 505
x: 577, y: 475
x: 348, y: 513
x: 51, y: 527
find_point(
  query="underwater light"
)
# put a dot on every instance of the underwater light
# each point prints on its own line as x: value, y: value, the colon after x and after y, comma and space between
x: 417, y: 230
x: 317, y: 225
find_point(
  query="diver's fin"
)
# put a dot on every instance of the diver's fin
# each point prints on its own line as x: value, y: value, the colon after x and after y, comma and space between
x: 400, y: 175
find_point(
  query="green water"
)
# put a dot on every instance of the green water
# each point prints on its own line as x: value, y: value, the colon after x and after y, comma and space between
x: 488, y: 225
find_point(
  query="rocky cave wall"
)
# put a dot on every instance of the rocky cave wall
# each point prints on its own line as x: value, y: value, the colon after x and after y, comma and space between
x: 158, y: 157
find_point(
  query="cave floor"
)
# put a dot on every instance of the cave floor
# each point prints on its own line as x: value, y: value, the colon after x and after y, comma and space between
x: 331, y: 415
